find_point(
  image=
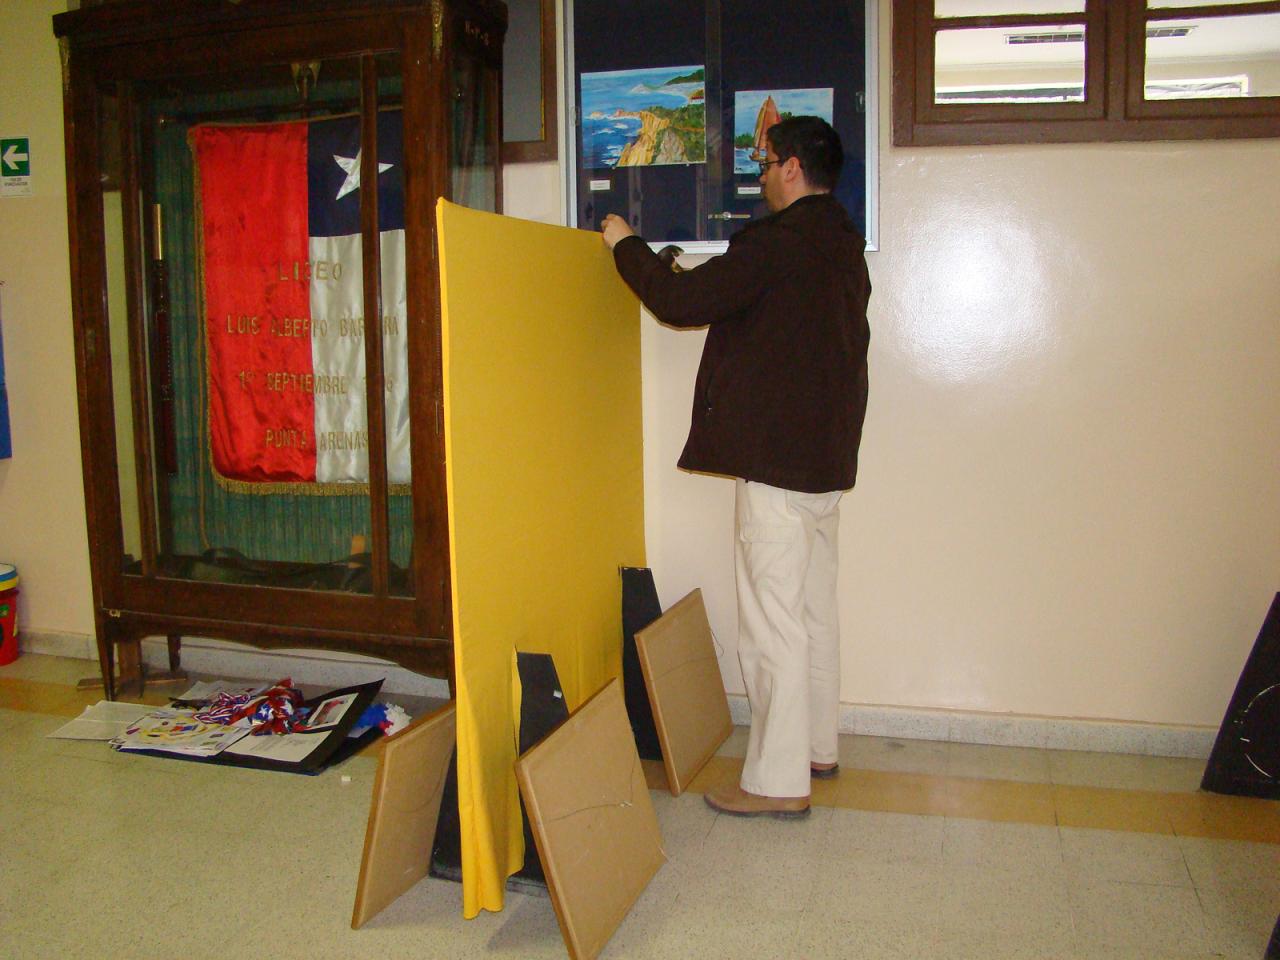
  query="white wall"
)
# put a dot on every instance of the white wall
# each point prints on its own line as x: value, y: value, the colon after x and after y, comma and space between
x: 1069, y: 502
x: 42, y: 526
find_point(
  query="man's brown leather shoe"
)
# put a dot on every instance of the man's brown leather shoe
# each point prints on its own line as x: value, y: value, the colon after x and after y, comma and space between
x: 824, y: 771
x: 736, y: 802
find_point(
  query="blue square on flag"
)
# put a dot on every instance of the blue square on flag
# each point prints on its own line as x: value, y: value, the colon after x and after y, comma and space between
x: 333, y: 175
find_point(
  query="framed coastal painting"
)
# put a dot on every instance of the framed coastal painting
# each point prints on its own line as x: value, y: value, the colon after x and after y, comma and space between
x: 648, y: 117
x: 668, y: 126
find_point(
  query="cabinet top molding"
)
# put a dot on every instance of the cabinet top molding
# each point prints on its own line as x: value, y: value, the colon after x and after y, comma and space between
x: 121, y: 21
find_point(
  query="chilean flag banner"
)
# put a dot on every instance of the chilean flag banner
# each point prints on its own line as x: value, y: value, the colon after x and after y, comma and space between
x: 279, y: 224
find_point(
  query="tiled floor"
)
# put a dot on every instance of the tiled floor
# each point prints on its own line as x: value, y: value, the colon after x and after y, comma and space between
x: 919, y: 850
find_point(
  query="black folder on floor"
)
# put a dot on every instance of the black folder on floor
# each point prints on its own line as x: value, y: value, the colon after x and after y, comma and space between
x: 309, y: 751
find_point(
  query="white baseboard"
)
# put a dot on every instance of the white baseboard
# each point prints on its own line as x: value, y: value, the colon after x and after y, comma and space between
x: 1013, y: 730
x: 222, y: 658
x: 225, y: 659
x: 74, y: 646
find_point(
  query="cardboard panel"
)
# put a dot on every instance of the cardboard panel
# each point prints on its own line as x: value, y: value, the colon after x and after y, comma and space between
x: 592, y: 819
x: 682, y: 675
x: 402, y: 817
x: 541, y: 346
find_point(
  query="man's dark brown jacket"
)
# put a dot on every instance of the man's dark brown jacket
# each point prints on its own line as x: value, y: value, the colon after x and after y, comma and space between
x: 782, y: 389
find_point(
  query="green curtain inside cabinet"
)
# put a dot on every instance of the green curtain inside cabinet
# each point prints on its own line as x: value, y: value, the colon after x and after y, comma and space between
x: 200, y: 514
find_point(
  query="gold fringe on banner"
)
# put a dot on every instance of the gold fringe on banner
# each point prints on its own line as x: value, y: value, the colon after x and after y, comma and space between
x: 259, y: 488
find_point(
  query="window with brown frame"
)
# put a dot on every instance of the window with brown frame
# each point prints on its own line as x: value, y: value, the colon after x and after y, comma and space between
x: 1058, y: 71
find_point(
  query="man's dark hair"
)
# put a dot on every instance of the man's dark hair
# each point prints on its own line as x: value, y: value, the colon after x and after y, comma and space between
x: 814, y: 143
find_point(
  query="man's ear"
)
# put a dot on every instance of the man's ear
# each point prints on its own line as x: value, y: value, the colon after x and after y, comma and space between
x: 791, y: 167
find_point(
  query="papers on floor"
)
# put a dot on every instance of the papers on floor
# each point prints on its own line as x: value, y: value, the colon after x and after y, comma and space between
x: 203, y: 691
x: 105, y: 720
x: 178, y: 731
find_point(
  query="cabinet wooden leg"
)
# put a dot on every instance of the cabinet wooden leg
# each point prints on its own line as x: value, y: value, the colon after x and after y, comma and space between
x: 129, y: 683
x: 123, y: 672
x: 107, y: 633
x: 106, y: 659
x: 175, y: 674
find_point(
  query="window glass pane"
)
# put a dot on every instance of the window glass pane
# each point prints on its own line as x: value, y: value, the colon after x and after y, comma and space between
x: 1158, y: 4
x: 122, y: 388
x: 996, y: 8
x: 522, y: 116
x: 1010, y: 65
x: 396, y: 387
x: 472, y: 145
x: 1213, y: 57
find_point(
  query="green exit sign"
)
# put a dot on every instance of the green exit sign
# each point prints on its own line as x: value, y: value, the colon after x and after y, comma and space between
x: 15, y: 157
x: 15, y: 167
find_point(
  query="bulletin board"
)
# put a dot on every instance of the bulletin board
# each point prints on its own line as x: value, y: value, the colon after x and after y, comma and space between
x: 544, y: 472
x: 663, y: 120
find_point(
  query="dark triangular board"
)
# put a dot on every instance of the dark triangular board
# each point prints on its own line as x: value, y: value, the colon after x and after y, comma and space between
x: 446, y: 851
x: 542, y: 709
x: 1246, y: 756
x: 640, y: 607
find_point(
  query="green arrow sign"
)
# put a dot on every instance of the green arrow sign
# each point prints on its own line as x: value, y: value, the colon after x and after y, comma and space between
x: 15, y: 157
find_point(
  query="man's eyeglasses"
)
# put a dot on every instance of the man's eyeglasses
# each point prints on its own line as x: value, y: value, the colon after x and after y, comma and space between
x: 765, y: 164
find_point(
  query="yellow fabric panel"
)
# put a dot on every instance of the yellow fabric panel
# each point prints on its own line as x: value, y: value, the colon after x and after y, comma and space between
x: 543, y: 451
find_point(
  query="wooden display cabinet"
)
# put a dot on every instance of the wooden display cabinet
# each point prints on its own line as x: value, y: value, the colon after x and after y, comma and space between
x: 192, y: 531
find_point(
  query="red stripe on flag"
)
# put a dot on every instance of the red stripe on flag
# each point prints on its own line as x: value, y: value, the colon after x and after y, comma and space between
x: 253, y: 195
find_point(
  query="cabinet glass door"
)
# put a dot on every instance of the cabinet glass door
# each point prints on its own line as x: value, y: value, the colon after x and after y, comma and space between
x: 241, y: 198
x: 473, y: 141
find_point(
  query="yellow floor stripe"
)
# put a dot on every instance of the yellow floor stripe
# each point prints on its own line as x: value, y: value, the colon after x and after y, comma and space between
x: 1109, y: 809
x: 37, y: 696
x: 1208, y: 815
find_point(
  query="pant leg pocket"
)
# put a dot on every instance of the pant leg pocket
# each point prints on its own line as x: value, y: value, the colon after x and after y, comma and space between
x: 766, y: 533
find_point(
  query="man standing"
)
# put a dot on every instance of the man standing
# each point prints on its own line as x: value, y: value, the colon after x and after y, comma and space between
x: 778, y: 405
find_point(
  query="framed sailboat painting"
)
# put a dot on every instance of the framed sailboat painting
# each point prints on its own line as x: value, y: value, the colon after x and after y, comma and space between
x: 755, y: 111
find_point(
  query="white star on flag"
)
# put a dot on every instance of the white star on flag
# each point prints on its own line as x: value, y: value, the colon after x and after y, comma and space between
x: 351, y: 166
